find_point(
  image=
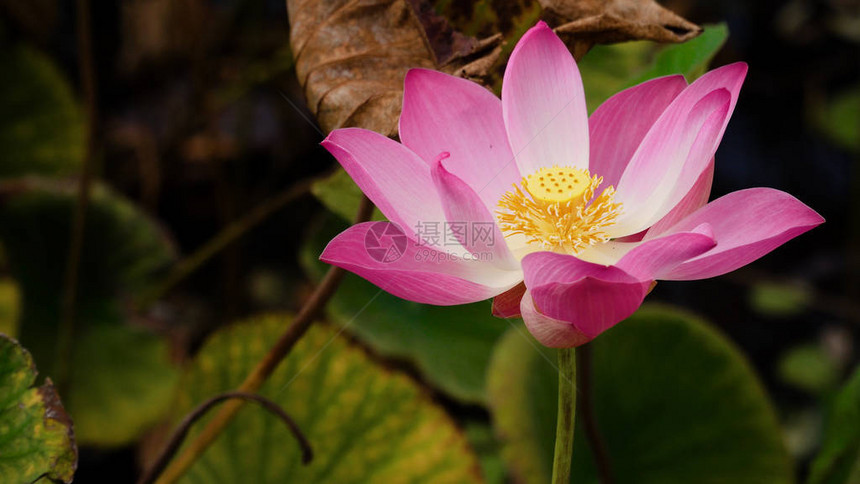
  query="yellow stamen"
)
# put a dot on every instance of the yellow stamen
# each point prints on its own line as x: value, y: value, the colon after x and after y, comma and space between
x: 556, y: 208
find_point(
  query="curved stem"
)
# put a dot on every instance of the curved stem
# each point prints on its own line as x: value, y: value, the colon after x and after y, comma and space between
x: 182, y: 430
x: 264, y: 368
x: 566, y: 416
x: 586, y: 406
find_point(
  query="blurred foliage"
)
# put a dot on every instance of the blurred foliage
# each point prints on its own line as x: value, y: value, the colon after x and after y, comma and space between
x: 341, y: 195
x: 838, y: 462
x: 674, y: 400
x: 839, y: 118
x: 122, y: 382
x: 809, y: 368
x: 607, y: 69
x: 802, y: 431
x: 36, y: 437
x: 121, y: 376
x: 41, y: 126
x: 365, y: 423
x: 450, y: 346
x: 484, y: 442
x: 780, y: 298
x: 10, y: 306
x: 124, y: 247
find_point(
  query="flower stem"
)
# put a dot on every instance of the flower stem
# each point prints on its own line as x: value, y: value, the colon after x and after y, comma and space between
x: 566, y: 416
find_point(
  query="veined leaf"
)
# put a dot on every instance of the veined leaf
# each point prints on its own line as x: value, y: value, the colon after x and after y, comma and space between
x: 364, y: 422
x: 36, y: 437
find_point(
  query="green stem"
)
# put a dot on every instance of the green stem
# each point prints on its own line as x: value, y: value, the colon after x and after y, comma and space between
x: 566, y: 416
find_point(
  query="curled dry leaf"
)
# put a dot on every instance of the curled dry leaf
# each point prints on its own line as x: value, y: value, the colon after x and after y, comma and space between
x: 583, y: 23
x: 351, y: 57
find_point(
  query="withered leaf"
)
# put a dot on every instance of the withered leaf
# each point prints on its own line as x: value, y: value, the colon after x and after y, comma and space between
x: 351, y: 56
x: 583, y: 23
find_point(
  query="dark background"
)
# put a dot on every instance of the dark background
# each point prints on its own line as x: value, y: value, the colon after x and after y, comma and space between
x: 198, y: 125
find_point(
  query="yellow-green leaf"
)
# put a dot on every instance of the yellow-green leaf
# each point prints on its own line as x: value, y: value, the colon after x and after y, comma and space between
x: 364, y: 422
x: 10, y: 306
x: 36, y: 437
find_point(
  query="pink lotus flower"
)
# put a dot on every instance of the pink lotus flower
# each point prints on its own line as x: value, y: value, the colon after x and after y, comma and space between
x: 587, y: 212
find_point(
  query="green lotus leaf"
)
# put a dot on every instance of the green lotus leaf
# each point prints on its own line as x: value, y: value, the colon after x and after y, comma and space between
x: 674, y: 400
x: 122, y: 378
x: 364, y: 422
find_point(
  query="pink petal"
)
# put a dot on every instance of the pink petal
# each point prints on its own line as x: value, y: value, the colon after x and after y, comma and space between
x: 646, y: 196
x: 618, y: 126
x: 747, y: 224
x: 591, y: 305
x: 677, y: 149
x: 394, y: 178
x: 550, y: 332
x: 695, y: 199
x: 655, y: 258
x: 476, y: 228
x: 541, y: 268
x: 591, y: 297
x: 544, y: 104
x: 507, y: 304
x: 443, y: 113
x: 397, y: 264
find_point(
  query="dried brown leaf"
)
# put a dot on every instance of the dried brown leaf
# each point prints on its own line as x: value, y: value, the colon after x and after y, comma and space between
x: 583, y: 23
x: 351, y: 56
